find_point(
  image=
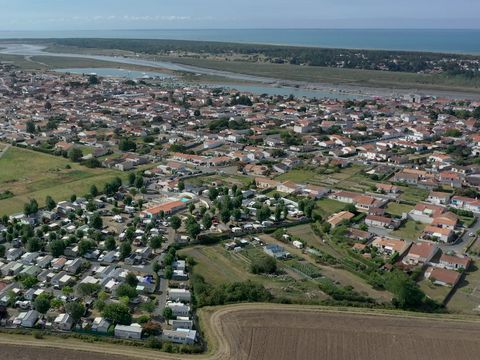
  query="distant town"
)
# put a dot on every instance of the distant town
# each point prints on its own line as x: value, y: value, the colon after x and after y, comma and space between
x: 129, y: 205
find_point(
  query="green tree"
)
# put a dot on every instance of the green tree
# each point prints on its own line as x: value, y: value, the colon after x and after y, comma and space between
x: 126, y: 290
x: 96, y: 221
x: 175, y: 222
x: 75, y: 309
x: 31, y: 127
x: 207, y: 221
x: 75, y: 154
x: 34, y: 244
x: 93, y: 191
x: 263, y: 265
x: 168, y: 313
x: 181, y: 186
x: 117, y: 313
x: 263, y: 213
x: 42, y: 304
x: 131, y: 279
x: 87, y: 289
x: 192, y: 227
x: 57, y: 247
x: 50, y: 203
x: 156, y: 242
x: 125, y: 250
x: 110, y: 243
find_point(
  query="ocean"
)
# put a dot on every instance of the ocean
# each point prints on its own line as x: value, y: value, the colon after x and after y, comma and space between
x: 448, y: 41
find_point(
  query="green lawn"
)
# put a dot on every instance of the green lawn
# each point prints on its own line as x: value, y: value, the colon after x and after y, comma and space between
x: 466, y: 298
x: 326, y: 207
x: 410, y: 230
x: 434, y: 292
x: 413, y: 194
x: 398, y: 209
x: 298, y: 176
x: 32, y: 175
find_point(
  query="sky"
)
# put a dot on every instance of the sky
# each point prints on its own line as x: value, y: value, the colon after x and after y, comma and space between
x: 16, y: 15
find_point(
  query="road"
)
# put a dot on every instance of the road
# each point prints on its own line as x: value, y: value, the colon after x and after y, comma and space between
x: 4, y: 150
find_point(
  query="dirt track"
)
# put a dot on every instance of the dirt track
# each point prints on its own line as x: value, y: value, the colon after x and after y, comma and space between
x: 266, y: 331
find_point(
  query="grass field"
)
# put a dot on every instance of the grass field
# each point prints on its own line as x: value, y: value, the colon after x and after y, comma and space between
x: 413, y: 194
x: 435, y: 292
x: 410, y: 230
x: 398, y: 209
x: 326, y: 207
x: 33, y: 175
x: 466, y: 298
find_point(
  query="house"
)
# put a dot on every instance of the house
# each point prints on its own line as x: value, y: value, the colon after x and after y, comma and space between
x: 437, y: 233
x: 466, y: 203
x: 381, y: 222
x: 454, y: 262
x: 27, y: 319
x: 388, y: 188
x: 443, y: 277
x: 182, y: 295
x: 181, y: 323
x: 180, y: 336
x: 133, y: 331
x: 63, y: 322
x: 288, y: 187
x: 178, y: 308
x: 167, y: 208
x: 264, y: 183
x: 315, y: 192
x: 390, y: 246
x: 100, y: 325
x: 339, y: 218
x: 439, y: 198
x: 425, y: 213
x: 276, y: 251
x: 447, y: 220
x: 420, y: 253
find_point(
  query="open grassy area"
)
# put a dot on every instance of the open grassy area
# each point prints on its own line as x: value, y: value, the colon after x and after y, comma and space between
x: 434, y: 292
x: 413, y: 194
x: 398, y: 209
x: 33, y: 175
x: 326, y: 207
x: 466, y: 298
x: 410, y: 230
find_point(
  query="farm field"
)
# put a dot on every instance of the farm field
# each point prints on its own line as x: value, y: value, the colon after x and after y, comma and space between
x: 264, y: 332
x: 33, y: 175
x: 219, y: 266
x: 326, y: 207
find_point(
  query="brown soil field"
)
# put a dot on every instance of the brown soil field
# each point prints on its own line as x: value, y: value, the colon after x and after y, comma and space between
x: 281, y: 332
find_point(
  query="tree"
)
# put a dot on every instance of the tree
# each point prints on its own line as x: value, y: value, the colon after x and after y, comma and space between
x: 42, y: 304
x: 28, y: 281
x: 263, y: 265
x: 407, y: 294
x: 156, y: 242
x: 192, y: 227
x: 31, y: 127
x: 75, y: 309
x: 237, y: 214
x: 2, y: 250
x: 110, y: 243
x: 127, y: 145
x: 85, y: 246
x: 181, y: 186
x: 126, y: 290
x: 168, y: 313
x: 93, y: 191
x: 212, y: 194
x: 131, y: 179
x: 207, y: 221
x: 31, y: 207
x: 50, y: 203
x: 117, y: 313
x: 87, y: 289
x: 57, y: 247
x: 263, y: 213
x: 34, y: 244
x: 93, y: 80
x: 139, y: 182
x: 175, y: 222
x: 125, y: 250
x: 168, y: 272
x: 131, y: 279
x: 191, y: 208
x: 225, y: 215
x: 156, y: 267
x: 75, y: 154
x: 96, y: 221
